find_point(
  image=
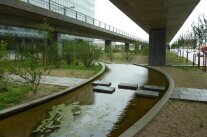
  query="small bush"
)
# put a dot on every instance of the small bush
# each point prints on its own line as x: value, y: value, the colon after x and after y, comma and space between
x: 81, y: 53
x: 144, y: 51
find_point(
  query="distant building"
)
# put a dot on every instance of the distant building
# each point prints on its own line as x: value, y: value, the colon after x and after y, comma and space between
x: 83, y: 6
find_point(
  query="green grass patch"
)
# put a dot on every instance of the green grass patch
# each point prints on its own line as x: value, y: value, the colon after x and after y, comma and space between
x: 174, y: 59
x: 13, y: 95
x: 188, y: 68
x: 144, y: 51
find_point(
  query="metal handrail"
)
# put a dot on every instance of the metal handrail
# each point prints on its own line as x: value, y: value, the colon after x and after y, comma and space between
x: 67, y: 11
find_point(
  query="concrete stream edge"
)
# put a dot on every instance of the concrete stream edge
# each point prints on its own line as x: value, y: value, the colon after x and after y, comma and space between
x: 142, y: 122
x: 19, y: 108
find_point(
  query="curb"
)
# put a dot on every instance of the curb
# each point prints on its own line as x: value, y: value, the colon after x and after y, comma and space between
x: 19, y: 108
x: 141, y: 123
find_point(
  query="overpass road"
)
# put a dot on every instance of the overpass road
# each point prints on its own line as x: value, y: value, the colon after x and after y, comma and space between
x: 29, y: 13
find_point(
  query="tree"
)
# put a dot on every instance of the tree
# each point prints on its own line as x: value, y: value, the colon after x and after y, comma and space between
x: 3, y: 66
x: 50, y: 54
x: 200, y: 30
x: 69, y: 52
x: 88, y: 54
x: 29, y: 69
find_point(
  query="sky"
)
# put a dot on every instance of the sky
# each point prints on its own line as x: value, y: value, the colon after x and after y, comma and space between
x: 106, y: 12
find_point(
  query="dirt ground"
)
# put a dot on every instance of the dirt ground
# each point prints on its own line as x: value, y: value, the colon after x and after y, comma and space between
x: 179, y: 118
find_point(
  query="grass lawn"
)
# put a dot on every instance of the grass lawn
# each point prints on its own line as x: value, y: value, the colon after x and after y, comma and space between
x: 173, y: 59
x: 14, y: 95
x: 18, y: 94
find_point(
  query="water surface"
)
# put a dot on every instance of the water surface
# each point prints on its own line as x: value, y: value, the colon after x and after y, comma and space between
x: 84, y: 113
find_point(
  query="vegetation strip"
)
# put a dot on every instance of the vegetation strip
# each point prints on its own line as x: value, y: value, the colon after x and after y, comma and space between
x: 141, y: 123
x: 19, y: 108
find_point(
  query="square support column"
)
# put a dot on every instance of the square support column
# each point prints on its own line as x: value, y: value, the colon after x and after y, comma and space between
x: 107, y: 45
x: 157, y: 47
x: 126, y: 47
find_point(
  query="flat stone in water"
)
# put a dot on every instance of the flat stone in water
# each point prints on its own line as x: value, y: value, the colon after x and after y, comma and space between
x: 154, y: 88
x: 128, y: 86
x: 101, y: 83
x: 202, y: 99
x: 104, y: 89
x: 174, y: 96
x: 147, y: 93
x: 188, y: 97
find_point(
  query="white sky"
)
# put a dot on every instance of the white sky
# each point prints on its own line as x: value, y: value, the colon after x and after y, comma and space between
x: 108, y: 13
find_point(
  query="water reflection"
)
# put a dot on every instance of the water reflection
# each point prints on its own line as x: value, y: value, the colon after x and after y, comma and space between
x: 84, y: 113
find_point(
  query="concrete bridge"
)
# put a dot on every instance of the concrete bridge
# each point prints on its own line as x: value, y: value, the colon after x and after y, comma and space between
x: 160, y: 18
x: 29, y: 13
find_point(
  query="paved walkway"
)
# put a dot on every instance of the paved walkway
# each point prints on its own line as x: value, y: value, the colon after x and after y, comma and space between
x: 52, y: 80
x: 190, y: 94
x: 61, y: 81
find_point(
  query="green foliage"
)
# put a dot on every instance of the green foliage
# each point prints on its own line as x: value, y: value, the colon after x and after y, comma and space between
x: 3, y: 78
x: 69, y: 52
x: 81, y: 53
x: 110, y: 53
x: 45, y: 29
x: 128, y: 56
x: 176, y: 60
x: 50, y: 54
x: 14, y: 95
x: 136, y: 49
x: 144, y: 51
x: 3, y: 49
x: 89, y: 54
x: 144, y: 48
x: 30, y: 69
x: 196, y: 35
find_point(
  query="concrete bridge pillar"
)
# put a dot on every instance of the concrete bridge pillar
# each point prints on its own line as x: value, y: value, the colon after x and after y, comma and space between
x: 126, y: 47
x: 107, y: 45
x: 157, y: 47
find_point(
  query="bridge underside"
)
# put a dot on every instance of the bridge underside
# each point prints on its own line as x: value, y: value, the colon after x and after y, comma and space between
x: 160, y: 18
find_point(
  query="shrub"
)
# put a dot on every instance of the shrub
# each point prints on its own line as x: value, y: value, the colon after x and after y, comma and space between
x: 29, y: 69
x: 88, y: 54
x: 81, y: 52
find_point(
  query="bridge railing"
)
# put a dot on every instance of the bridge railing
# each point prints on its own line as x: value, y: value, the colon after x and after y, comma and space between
x: 68, y: 11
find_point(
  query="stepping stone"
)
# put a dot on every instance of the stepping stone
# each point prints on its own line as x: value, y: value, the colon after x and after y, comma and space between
x: 147, y: 93
x: 188, y: 97
x: 128, y: 86
x: 104, y: 89
x: 101, y: 83
x: 154, y: 88
x: 174, y: 96
x: 202, y: 99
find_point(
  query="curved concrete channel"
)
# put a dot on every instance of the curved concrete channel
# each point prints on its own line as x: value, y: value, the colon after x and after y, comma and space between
x: 142, y: 122
x: 16, y: 109
x: 87, y: 113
